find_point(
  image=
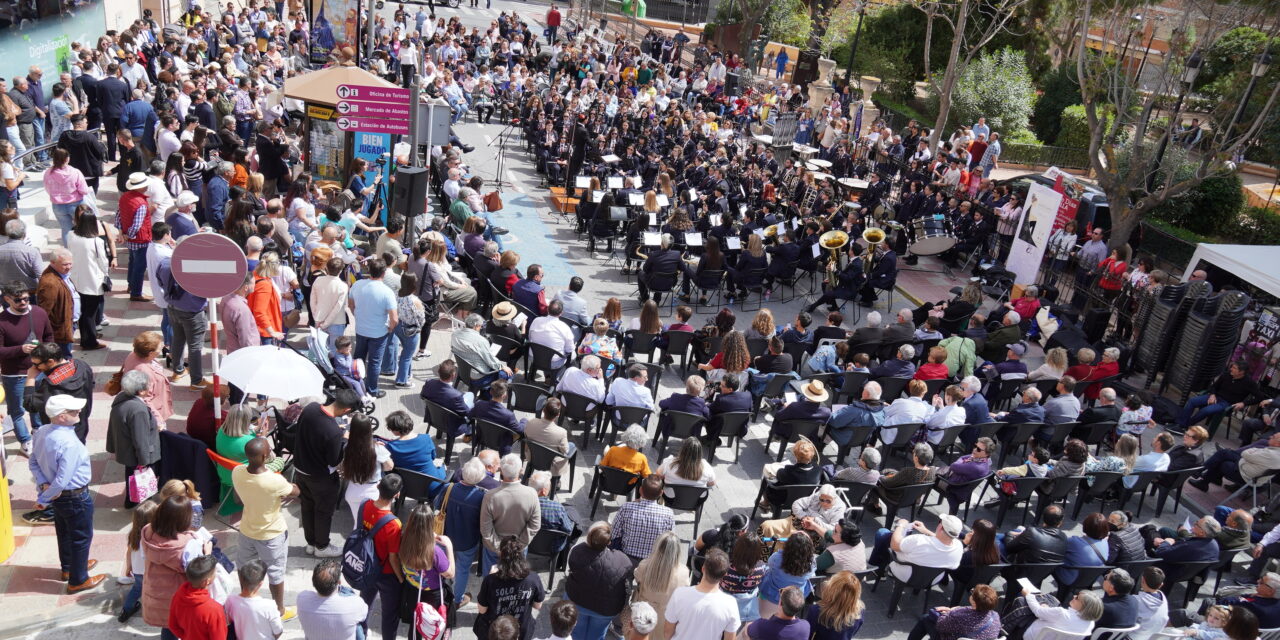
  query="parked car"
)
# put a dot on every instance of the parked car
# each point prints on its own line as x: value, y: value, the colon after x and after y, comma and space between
x: 1093, y: 202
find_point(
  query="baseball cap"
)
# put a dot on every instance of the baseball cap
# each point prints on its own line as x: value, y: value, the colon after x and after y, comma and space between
x: 1018, y: 348
x: 62, y: 403
x: 952, y: 525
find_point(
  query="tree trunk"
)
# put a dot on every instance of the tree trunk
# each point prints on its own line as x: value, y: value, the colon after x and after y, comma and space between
x: 951, y: 75
x: 1124, y: 221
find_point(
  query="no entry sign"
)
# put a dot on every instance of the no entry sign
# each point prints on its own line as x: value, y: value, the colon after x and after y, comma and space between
x: 209, y: 265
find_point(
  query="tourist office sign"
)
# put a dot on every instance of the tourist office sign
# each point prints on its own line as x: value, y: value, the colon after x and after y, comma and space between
x: 372, y: 109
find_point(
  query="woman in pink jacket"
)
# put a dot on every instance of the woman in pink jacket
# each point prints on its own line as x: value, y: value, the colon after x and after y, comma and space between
x: 163, y: 542
x: 67, y: 189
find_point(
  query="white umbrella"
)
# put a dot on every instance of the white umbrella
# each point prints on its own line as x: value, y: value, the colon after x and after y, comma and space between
x: 272, y: 371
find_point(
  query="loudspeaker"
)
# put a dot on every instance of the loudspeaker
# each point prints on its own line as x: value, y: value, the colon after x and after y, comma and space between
x: 409, y: 193
x: 806, y: 68
x: 731, y: 84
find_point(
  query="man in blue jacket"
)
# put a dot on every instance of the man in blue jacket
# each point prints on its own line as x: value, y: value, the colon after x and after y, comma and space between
x: 976, y: 410
x: 495, y: 410
x: 867, y: 412
x: 731, y: 399
x: 1200, y: 547
x: 187, y: 318
x: 441, y: 392
x: 111, y: 95
x: 688, y: 402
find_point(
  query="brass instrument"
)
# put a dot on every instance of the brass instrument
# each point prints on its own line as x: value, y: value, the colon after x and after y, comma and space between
x: 873, y: 236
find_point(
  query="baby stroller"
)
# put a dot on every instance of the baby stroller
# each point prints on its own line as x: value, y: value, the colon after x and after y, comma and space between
x: 318, y: 353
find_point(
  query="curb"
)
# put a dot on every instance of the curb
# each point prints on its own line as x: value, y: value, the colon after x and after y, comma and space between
x: 92, y: 605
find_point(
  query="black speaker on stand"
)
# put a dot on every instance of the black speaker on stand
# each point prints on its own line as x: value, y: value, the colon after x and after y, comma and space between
x: 409, y: 193
x: 732, y: 84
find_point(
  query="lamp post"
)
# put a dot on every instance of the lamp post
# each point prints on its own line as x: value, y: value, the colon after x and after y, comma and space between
x: 1147, y: 51
x: 857, y: 34
x: 1188, y: 79
x: 1261, y: 65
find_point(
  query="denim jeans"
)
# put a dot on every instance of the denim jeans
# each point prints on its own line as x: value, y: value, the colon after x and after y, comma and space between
x: 15, y: 139
x: 188, y: 340
x: 134, y: 596
x: 389, y: 353
x: 335, y: 331
x: 1198, y: 409
x: 73, y: 525
x: 65, y: 213
x: 14, y: 386
x: 488, y: 230
x: 371, y: 351
x: 404, y: 364
x: 463, y: 559
x: 137, y: 270
x: 591, y: 625
x: 880, y: 552
x: 38, y: 129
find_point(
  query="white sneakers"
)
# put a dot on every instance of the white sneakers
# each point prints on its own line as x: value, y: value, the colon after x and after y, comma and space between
x: 26, y: 448
x: 331, y: 551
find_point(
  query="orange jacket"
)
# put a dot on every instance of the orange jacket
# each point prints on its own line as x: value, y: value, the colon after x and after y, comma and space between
x: 264, y: 302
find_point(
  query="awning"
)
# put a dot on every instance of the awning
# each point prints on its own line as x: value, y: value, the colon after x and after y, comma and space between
x: 320, y: 87
x: 1259, y: 265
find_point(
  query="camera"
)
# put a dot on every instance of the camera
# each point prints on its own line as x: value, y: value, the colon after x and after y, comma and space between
x: 381, y: 161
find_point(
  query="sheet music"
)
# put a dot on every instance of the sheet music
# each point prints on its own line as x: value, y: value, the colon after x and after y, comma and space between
x: 495, y: 348
x: 582, y: 182
x: 635, y: 181
x: 693, y: 239
x: 652, y: 239
x: 795, y: 223
x: 597, y: 196
x: 715, y: 219
x: 653, y: 219
x: 790, y: 396
x: 663, y: 201
x: 693, y: 195
x: 635, y: 199
x: 742, y: 209
x: 520, y: 319
x: 817, y: 250
x: 759, y: 232
x: 610, y: 158
x: 733, y: 243
x: 614, y: 182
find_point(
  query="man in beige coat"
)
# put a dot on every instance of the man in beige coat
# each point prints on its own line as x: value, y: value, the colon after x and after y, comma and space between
x: 510, y: 510
x: 544, y: 431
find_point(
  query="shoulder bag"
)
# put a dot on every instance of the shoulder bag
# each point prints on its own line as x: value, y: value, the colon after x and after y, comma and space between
x: 493, y: 201
x: 444, y: 508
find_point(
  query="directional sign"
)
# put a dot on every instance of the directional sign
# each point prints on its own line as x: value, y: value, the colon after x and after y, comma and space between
x: 346, y: 123
x: 385, y: 110
x: 365, y: 92
x: 209, y: 265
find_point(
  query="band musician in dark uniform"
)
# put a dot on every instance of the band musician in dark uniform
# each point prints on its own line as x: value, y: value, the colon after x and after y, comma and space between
x: 847, y: 281
x: 884, y: 273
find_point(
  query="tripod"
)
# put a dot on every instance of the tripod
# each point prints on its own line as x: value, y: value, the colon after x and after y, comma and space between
x: 501, y: 141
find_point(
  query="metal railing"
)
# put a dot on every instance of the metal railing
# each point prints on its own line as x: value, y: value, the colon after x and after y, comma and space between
x: 48, y: 146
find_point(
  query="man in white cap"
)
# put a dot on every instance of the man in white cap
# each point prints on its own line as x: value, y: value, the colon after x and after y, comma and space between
x: 60, y: 464
x: 134, y: 222
x: 182, y: 221
x: 915, y: 544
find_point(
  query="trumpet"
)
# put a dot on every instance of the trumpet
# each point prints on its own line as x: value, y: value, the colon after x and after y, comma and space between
x: 873, y: 236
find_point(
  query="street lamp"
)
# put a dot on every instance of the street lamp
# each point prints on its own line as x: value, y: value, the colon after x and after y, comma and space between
x: 853, y: 49
x: 1188, y: 80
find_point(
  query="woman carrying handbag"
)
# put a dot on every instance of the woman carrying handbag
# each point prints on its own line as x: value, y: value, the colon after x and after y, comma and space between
x: 427, y: 561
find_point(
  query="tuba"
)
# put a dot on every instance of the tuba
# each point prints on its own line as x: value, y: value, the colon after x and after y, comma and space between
x: 873, y: 236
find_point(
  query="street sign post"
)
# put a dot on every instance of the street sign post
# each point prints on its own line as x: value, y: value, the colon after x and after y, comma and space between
x: 210, y: 265
x: 386, y: 110
x: 372, y: 94
x: 347, y: 123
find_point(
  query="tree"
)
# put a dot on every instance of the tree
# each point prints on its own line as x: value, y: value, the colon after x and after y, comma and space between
x: 1060, y: 91
x: 997, y: 86
x: 750, y: 12
x: 1124, y: 170
x: 973, y: 23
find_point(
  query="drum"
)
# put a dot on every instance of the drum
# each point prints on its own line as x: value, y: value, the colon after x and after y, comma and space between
x: 931, y: 235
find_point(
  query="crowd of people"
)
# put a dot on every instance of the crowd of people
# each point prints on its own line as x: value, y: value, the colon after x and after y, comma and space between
x: 662, y: 153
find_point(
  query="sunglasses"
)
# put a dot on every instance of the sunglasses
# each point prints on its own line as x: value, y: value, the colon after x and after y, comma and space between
x: 21, y: 298
x: 979, y: 449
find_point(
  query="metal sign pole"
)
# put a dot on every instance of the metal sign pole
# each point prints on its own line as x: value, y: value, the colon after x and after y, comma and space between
x: 415, y: 120
x: 369, y: 26
x: 213, y: 343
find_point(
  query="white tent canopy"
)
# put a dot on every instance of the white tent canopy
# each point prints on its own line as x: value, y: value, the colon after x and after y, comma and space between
x: 1258, y: 265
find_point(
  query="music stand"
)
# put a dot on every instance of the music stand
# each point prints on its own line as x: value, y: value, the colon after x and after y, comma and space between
x: 501, y: 141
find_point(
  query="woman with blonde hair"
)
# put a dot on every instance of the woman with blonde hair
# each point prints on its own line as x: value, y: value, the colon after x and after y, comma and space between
x: 255, y: 188
x: 146, y: 349
x: 749, y: 271
x: 11, y: 177
x: 762, y: 326
x: 658, y: 576
x: 264, y: 301
x: 1054, y: 367
x: 612, y: 313
x: 838, y: 614
x: 455, y: 289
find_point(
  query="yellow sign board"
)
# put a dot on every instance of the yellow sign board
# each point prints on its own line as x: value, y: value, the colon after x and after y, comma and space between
x: 322, y: 113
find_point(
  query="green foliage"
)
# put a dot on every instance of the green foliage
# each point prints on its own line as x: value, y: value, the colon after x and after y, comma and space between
x: 997, y: 86
x: 1234, y: 51
x: 1061, y: 90
x: 887, y: 101
x: 1255, y: 225
x: 1074, y: 126
x: 891, y: 67
x: 788, y: 22
x: 1022, y: 136
x: 899, y: 30
x: 1210, y: 208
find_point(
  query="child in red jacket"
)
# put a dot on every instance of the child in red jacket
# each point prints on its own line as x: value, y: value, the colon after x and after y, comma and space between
x: 194, y: 614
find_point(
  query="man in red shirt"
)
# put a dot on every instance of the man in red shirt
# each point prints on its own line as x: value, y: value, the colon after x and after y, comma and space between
x: 386, y: 543
x: 193, y: 613
x: 553, y: 23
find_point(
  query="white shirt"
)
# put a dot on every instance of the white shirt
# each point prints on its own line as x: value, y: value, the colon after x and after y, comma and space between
x: 332, y: 618
x: 167, y: 143
x: 624, y: 392
x: 156, y: 253
x: 702, y: 616
x: 1063, y: 619
x: 158, y: 195
x: 904, y: 411
x: 945, y: 417
x: 926, y: 551
x: 549, y: 331
x: 88, y: 264
x: 577, y: 381
x: 254, y: 618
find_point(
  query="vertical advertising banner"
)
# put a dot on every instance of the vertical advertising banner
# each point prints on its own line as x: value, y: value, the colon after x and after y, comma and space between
x: 371, y: 146
x: 334, y: 24
x: 41, y: 33
x: 1033, y: 232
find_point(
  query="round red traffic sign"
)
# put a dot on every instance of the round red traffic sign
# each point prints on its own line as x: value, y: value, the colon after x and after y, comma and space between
x: 209, y: 265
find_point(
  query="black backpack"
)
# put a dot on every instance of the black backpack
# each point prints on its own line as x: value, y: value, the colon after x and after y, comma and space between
x: 360, y: 564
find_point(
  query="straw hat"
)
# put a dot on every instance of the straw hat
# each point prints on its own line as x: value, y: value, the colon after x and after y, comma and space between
x: 137, y: 180
x: 815, y: 391
x: 504, y: 311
